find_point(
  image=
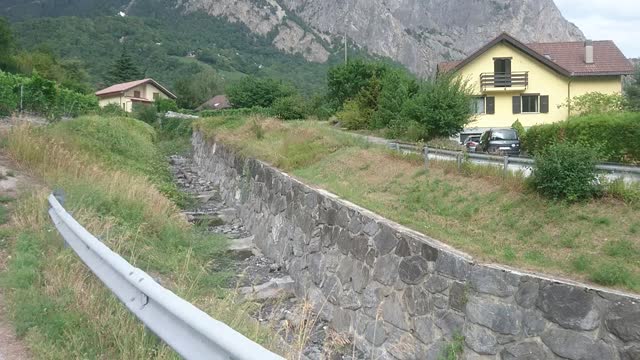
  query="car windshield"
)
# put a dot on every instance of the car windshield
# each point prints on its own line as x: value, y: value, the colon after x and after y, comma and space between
x: 504, y: 135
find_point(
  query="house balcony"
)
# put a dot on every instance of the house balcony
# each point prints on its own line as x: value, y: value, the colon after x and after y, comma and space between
x: 514, y: 81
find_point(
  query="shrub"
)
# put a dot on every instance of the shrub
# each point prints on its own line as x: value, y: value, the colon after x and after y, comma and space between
x: 442, y: 106
x: 146, y: 113
x: 164, y: 105
x: 615, y: 134
x: 112, y: 110
x: 42, y: 96
x: 566, y: 171
x: 353, y: 116
x: 290, y: 108
x: 595, y: 103
x: 517, y: 126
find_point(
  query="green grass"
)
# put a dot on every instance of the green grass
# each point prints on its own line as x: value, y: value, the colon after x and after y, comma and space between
x: 474, y: 209
x: 63, y: 311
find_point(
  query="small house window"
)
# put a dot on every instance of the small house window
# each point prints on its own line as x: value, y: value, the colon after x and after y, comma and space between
x: 136, y: 94
x: 156, y: 96
x: 477, y: 105
x: 530, y: 103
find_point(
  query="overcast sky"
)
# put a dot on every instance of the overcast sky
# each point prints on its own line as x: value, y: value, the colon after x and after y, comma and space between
x: 617, y: 20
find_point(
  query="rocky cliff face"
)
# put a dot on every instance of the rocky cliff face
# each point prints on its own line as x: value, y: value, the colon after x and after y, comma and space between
x: 416, y: 33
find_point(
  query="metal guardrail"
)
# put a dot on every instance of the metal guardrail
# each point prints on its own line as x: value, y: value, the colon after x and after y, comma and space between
x: 501, y: 160
x: 188, y: 330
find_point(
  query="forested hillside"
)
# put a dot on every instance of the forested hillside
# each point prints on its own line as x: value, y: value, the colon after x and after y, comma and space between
x: 165, y: 46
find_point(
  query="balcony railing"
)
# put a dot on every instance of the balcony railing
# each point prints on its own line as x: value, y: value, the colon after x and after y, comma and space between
x: 514, y: 80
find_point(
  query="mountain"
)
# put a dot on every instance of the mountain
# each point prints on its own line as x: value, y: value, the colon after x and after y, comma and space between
x: 291, y: 39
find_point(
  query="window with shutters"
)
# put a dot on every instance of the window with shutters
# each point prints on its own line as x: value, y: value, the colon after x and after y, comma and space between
x: 478, y: 105
x: 530, y: 103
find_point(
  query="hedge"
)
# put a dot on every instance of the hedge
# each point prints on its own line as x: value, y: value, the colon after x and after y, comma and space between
x: 615, y: 135
x: 242, y: 111
x: 42, y: 96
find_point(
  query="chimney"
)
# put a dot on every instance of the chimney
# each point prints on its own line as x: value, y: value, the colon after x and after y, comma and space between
x: 588, y: 52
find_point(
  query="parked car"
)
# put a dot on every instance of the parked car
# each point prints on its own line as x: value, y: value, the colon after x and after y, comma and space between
x: 503, y: 141
x: 471, y: 143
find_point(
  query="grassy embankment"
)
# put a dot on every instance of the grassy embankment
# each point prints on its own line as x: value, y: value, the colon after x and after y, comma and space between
x: 118, y: 186
x: 494, y: 219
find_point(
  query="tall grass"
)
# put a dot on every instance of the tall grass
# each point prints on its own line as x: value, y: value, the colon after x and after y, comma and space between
x: 63, y: 311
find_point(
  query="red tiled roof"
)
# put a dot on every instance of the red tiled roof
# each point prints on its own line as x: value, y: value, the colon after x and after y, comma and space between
x: 566, y: 58
x: 447, y: 65
x: 607, y: 58
x: 119, y: 88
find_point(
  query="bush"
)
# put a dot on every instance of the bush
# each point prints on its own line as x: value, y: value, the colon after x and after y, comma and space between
x: 615, y: 134
x: 256, y: 110
x: 43, y: 97
x: 164, y: 105
x: 353, y: 116
x: 290, y: 108
x: 595, y: 103
x: 566, y: 171
x: 517, y: 126
x: 146, y: 113
x: 112, y: 110
x: 442, y: 107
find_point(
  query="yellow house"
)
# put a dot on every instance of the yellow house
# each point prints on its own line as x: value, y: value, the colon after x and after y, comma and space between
x: 528, y: 82
x: 127, y: 94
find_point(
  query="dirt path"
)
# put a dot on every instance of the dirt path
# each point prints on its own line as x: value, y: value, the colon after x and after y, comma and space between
x: 11, y: 348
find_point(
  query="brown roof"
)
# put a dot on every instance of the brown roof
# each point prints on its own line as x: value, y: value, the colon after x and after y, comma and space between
x: 120, y: 88
x: 448, y: 65
x: 215, y: 103
x: 607, y: 58
x: 566, y: 58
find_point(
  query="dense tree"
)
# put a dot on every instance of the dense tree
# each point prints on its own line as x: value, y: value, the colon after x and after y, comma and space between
x: 124, y: 69
x: 440, y: 108
x: 193, y: 91
x: 7, y: 47
x: 346, y: 81
x: 69, y: 73
x: 396, y: 88
x: 252, y: 91
x: 632, y: 91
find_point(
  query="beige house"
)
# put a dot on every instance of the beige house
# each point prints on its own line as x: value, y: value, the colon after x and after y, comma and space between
x: 531, y: 82
x: 125, y: 95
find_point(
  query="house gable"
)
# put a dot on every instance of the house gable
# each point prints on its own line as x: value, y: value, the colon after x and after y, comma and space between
x: 128, y: 89
x: 505, y: 38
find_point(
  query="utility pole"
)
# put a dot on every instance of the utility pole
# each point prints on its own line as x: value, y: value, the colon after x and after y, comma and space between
x: 345, y: 48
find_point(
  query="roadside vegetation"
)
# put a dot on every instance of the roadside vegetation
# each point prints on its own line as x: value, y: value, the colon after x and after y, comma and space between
x: 473, y: 209
x: 116, y: 184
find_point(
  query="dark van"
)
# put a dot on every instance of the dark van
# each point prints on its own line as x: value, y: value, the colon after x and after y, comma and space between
x: 500, y: 141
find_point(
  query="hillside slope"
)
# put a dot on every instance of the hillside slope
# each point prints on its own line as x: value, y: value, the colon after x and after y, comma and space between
x: 291, y: 39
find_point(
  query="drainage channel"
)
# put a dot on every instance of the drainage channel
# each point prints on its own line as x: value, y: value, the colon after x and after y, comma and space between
x: 257, y: 278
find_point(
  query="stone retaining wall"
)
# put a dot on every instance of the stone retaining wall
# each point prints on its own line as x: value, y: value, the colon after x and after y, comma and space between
x: 404, y: 295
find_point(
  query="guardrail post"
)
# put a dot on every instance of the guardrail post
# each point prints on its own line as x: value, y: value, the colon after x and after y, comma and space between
x: 426, y: 156
x: 459, y: 161
x: 397, y: 147
x: 506, y: 167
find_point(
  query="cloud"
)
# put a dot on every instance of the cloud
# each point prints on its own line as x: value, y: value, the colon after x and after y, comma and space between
x: 606, y: 20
